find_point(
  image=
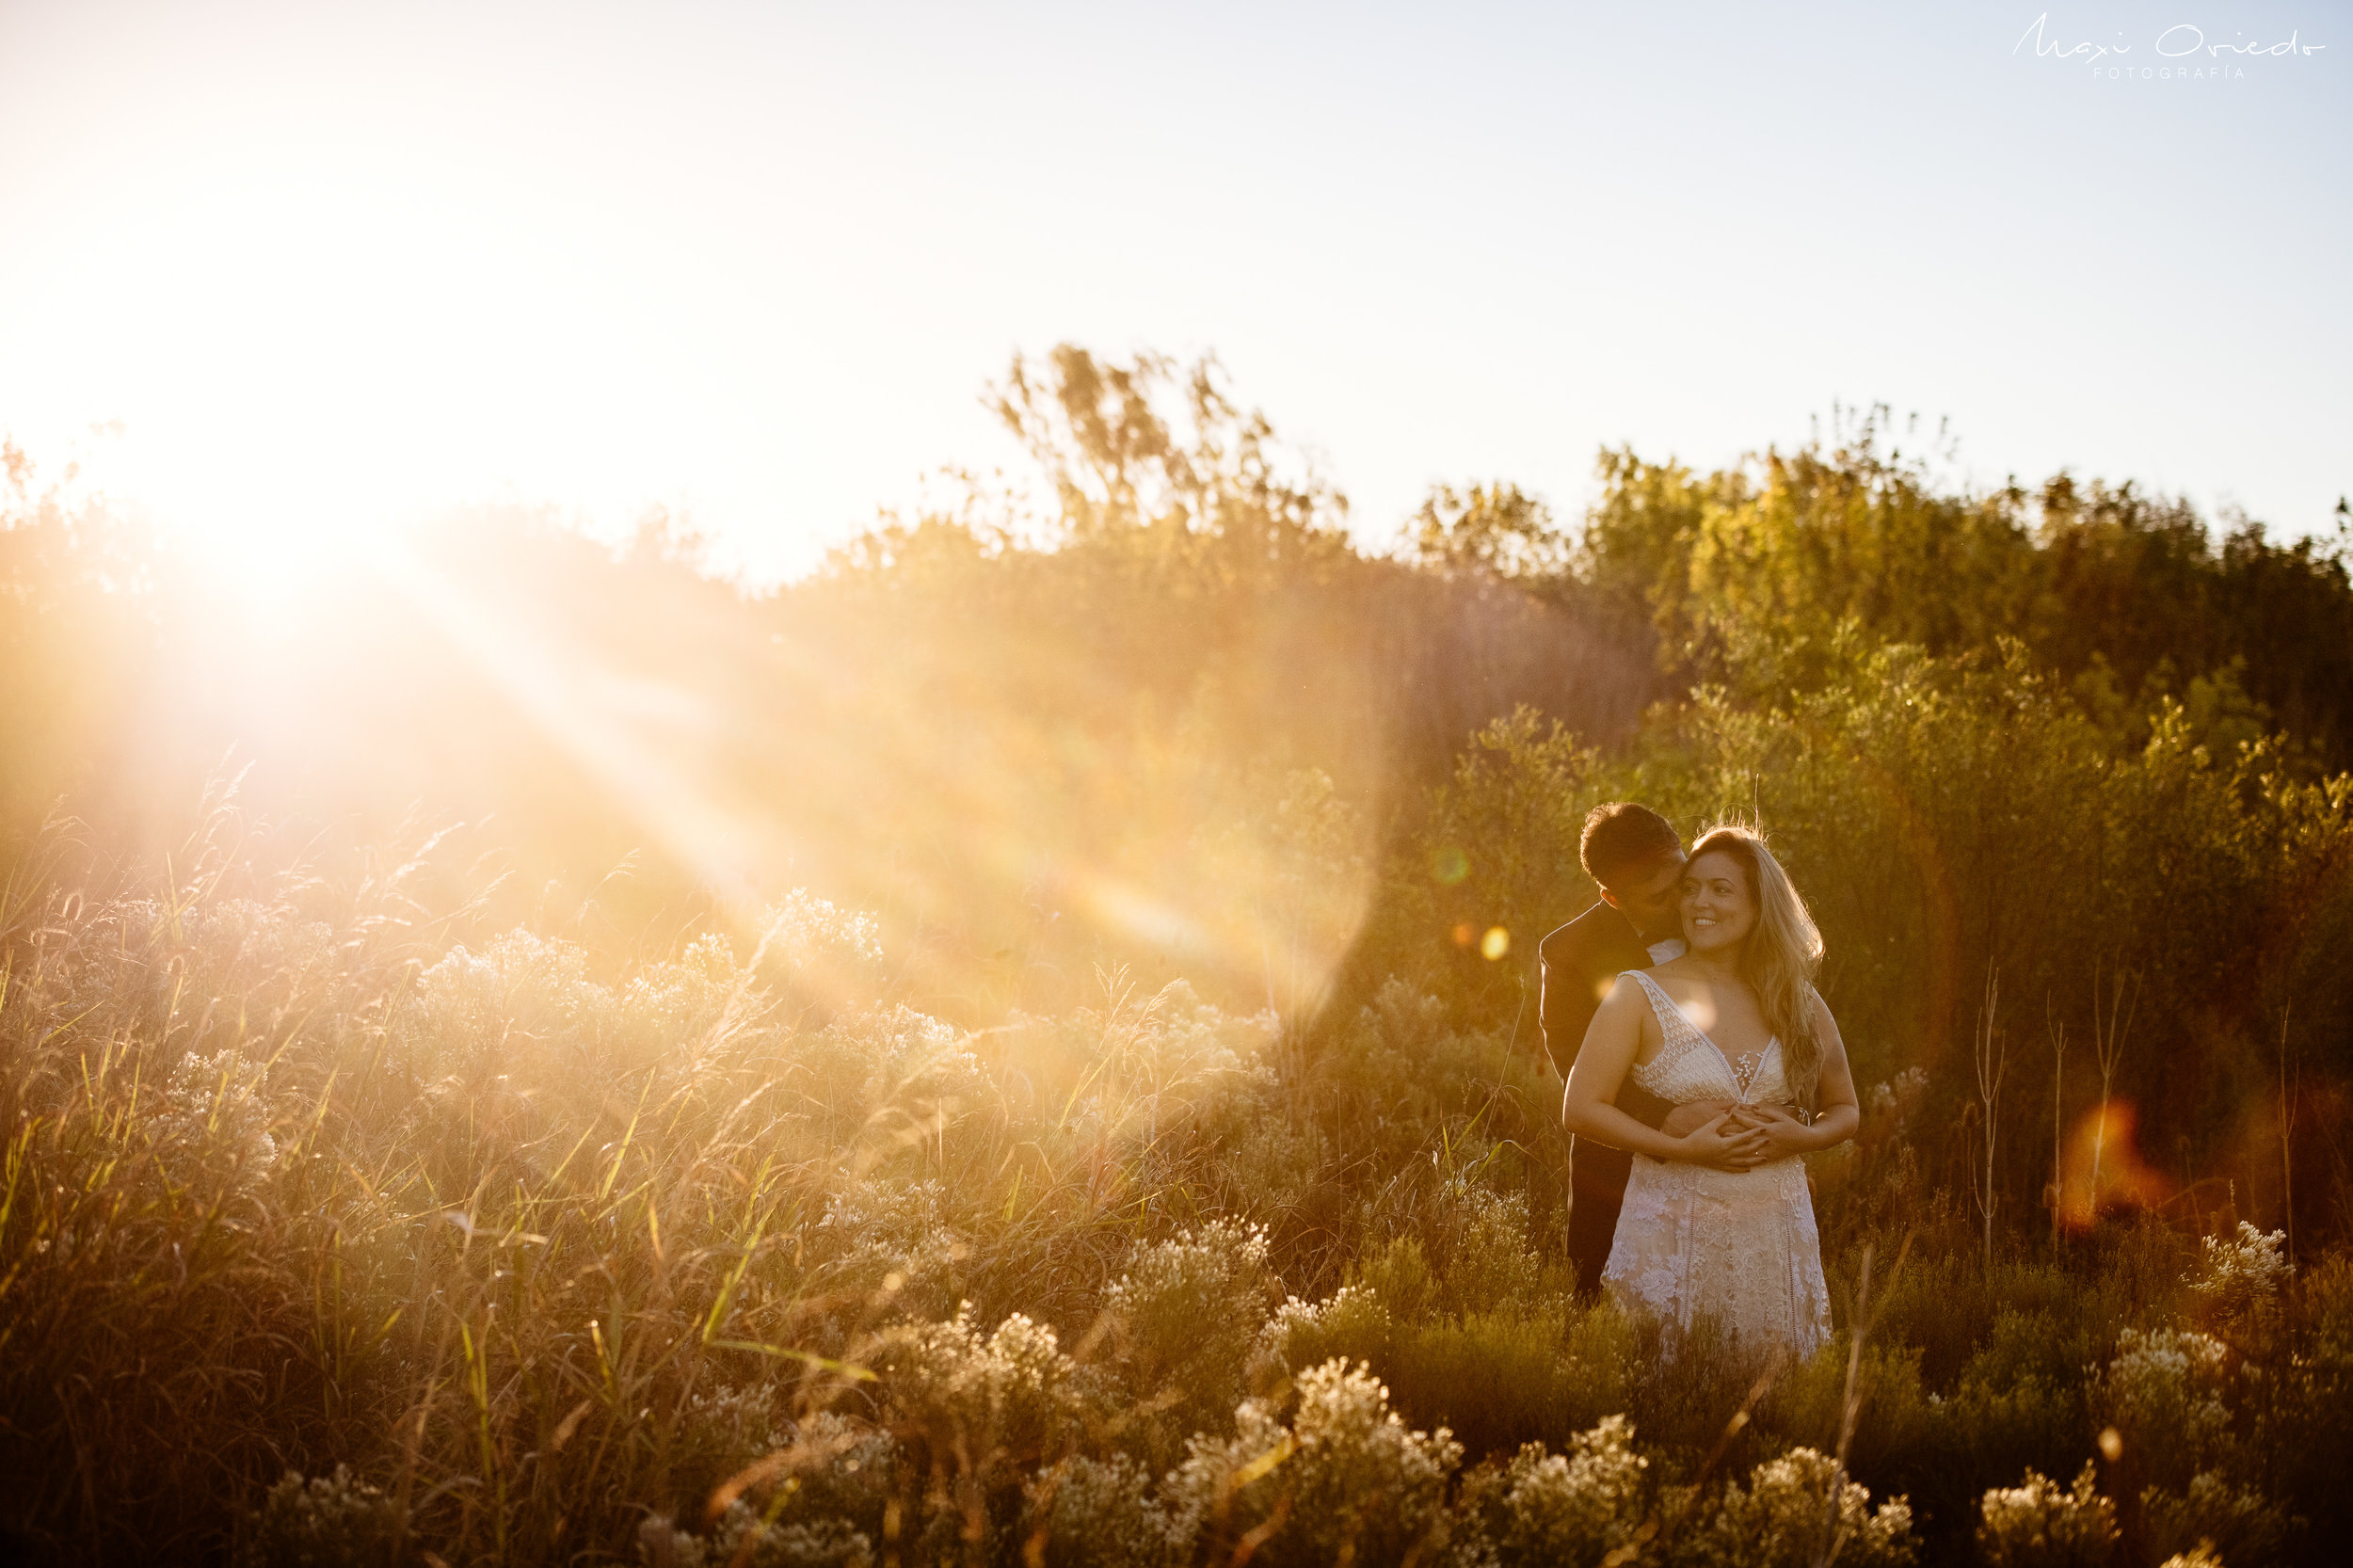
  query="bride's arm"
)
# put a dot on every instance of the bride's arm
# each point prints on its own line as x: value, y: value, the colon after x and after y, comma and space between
x: 1837, y: 1113
x: 1612, y: 1040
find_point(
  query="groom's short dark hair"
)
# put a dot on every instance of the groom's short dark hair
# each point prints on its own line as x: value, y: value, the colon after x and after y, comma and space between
x: 1622, y: 835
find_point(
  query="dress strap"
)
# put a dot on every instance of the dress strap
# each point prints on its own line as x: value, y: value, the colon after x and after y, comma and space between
x: 1657, y: 993
x: 1658, y: 996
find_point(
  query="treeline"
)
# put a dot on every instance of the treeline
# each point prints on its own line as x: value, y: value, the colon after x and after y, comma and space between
x: 1747, y: 575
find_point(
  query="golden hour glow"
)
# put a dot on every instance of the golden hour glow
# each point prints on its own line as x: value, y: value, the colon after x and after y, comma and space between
x: 627, y: 736
x: 798, y: 785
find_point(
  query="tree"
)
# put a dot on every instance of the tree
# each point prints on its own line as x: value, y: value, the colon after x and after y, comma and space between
x: 1496, y: 528
x: 1144, y: 451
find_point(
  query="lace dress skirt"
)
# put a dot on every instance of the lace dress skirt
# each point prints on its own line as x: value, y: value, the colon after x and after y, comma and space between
x: 1740, y: 1245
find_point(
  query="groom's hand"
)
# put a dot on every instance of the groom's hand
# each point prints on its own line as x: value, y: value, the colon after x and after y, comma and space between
x: 1684, y: 1119
x: 1771, y: 1132
x: 1759, y: 1116
x: 1724, y: 1142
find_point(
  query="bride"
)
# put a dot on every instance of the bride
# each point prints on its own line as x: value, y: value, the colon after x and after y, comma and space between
x: 1718, y: 1220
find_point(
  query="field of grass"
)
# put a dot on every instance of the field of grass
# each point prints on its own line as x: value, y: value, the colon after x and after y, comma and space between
x: 337, y: 1228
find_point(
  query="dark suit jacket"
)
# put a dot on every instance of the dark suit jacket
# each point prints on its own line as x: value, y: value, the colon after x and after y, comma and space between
x: 1580, y: 962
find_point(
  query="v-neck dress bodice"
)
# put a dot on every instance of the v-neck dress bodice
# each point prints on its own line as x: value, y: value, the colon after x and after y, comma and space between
x: 1692, y: 1067
x: 1738, y: 1245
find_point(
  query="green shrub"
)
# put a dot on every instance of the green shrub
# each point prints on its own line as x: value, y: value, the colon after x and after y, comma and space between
x: 882, y: 1252
x: 210, y: 1124
x: 1497, y: 1380
x: 2200, y: 1555
x: 335, y: 1521
x: 1188, y: 1312
x: 1486, y: 1264
x: 1098, y: 1513
x: 2164, y: 1393
x: 1783, y: 1518
x: 1343, y: 1480
x: 721, y: 1428
x: 2238, y: 1278
x: 2325, y: 1305
x: 839, y: 1467
x: 2040, y: 1524
x: 977, y: 1405
x: 1893, y: 1425
x: 2236, y: 1523
x: 1500, y: 1379
x: 1353, y: 1323
x: 743, y: 1539
x: 1573, y: 1508
x: 1990, y: 1428
x: 1400, y: 1275
x: 1681, y: 1387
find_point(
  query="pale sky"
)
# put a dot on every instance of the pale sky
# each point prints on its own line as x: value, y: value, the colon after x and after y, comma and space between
x: 325, y: 266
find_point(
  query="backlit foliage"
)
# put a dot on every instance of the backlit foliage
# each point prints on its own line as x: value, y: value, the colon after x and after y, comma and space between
x: 1022, y: 1047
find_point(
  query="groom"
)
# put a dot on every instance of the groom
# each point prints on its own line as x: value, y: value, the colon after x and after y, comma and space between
x: 1635, y: 858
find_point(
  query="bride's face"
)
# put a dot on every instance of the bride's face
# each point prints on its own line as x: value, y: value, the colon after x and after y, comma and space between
x: 1718, y: 911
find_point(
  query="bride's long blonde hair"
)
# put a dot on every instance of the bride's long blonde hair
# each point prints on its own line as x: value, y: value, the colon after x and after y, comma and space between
x: 1781, y: 956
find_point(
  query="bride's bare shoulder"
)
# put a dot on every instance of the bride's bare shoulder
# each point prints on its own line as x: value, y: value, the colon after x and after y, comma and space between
x: 1627, y: 994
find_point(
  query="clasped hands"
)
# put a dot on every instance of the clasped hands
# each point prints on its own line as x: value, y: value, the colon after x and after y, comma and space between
x: 1731, y: 1135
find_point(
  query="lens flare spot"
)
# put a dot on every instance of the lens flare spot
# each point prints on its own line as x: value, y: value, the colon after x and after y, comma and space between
x: 1449, y: 866
x: 1465, y: 933
x: 1496, y: 943
x: 2103, y: 1169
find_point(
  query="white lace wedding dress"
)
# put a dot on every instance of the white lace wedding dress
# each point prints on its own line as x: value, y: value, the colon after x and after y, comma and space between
x: 1738, y: 1244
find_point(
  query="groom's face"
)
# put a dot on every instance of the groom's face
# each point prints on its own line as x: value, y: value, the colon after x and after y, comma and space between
x: 1651, y: 895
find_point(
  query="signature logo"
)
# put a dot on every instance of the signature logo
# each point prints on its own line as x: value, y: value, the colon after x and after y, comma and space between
x: 2177, y: 51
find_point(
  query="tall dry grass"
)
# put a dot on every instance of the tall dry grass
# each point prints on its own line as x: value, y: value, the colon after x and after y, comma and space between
x: 338, y: 1227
